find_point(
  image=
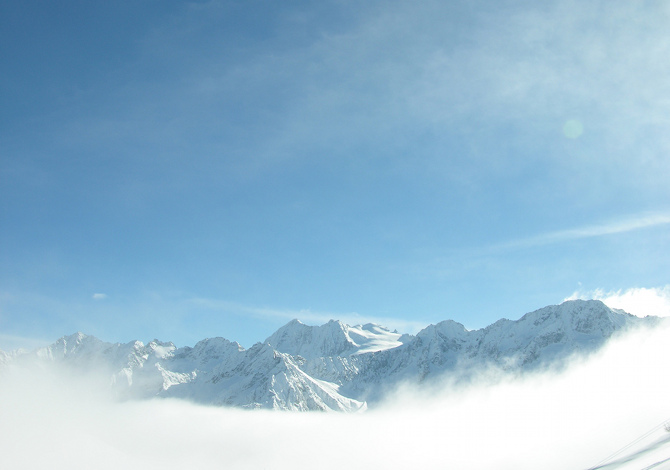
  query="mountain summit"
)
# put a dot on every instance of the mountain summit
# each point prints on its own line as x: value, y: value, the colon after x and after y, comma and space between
x: 332, y: 339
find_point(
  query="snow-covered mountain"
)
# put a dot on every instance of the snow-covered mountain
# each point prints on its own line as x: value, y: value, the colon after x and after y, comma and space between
x: 332, y: 339
x: 333, y: 366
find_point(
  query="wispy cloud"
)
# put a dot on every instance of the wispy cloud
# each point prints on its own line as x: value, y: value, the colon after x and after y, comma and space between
x: 308, y: 315
x: 608, y: 228
x: 378, y: 80
x: 99, y: 296
x: 12, y: 342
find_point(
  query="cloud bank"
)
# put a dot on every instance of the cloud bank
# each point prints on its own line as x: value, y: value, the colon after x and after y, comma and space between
x: 551, y: 421
x: 640, y: 301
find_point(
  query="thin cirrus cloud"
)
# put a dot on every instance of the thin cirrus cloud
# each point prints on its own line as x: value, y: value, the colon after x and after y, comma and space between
x: 377, y: 76
x: 14, y: 342
x: 307, y: 315
x: 590, y: 231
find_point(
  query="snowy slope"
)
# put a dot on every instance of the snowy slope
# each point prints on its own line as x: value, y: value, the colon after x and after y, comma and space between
x: 332, y: 339
x: 261, y: 377
x: 333, y: 366
x: 650, y: 450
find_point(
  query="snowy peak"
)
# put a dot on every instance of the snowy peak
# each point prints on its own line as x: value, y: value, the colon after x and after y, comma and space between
x: 574, y: 318
x: 332, y: 339
x: 553, y: 332
x: 213, y: 347
x: 210, y: 351
x: 444, y: 329
x: 75, y: 344
x: 298, y: 339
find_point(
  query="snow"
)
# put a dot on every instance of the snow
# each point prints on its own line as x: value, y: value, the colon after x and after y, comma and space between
x: 649, y: 450
x: 335, y: 366
x: 332, y: 339
x: 371, y: 338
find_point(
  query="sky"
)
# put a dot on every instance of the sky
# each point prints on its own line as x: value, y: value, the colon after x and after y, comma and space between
x: 189, y: 169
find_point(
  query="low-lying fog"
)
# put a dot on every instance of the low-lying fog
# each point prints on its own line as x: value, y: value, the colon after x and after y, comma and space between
x: 568, y: 420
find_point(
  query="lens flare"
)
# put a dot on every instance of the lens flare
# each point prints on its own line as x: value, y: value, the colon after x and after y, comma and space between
x: 573, y: 128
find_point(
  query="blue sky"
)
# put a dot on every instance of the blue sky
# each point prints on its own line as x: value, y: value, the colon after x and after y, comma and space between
x: 184, y: 170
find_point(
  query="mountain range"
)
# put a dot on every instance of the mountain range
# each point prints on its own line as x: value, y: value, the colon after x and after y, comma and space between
x: 334, y: 366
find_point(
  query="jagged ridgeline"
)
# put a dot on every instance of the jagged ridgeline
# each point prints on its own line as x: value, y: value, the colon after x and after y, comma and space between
x: 334, y: 366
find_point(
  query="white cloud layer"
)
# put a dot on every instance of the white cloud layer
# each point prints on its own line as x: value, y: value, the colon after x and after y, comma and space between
x: 640, y: 301
x: 552, y: 421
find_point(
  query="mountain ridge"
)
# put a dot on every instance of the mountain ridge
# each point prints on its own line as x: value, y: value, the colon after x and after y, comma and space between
x: 334, y: 367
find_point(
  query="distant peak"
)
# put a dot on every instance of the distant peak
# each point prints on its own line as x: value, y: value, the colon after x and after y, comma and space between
x: 582, y: 302
x: 293, y: 324
x: 74, y: 337
x: 336, y: 323
x: 217, y: 342
x: 446, y: 327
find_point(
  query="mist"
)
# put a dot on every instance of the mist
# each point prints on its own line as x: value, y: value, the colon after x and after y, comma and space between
x: 552, y: 420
